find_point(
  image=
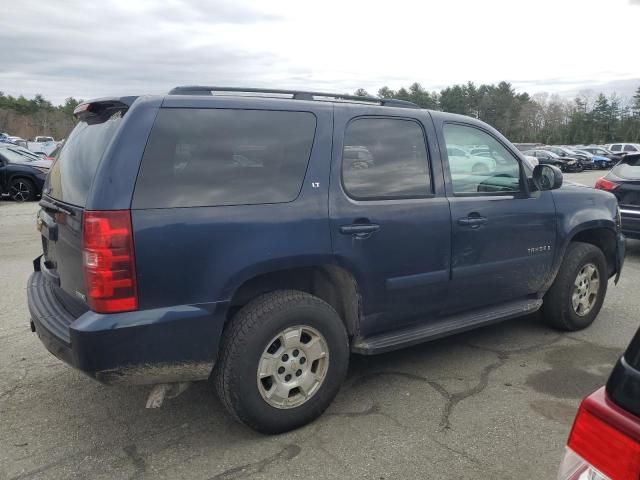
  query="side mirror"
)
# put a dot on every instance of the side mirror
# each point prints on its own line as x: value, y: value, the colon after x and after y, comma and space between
x: 546, y: 177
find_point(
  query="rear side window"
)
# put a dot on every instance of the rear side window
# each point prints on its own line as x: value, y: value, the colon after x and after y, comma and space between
x: 629, y: 168
x: 72, y: 173
x: 212, y: 157
x: 385, y: 158
x: 630, y: 148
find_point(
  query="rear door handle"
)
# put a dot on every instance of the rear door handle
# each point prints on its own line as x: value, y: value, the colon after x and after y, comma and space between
x: 473, y: 222
x: 359, y: 230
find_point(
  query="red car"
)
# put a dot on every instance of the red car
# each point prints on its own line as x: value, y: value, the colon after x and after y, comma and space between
x: 605, y: 439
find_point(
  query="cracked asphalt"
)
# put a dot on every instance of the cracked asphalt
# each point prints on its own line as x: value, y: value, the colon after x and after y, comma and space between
x: 493, y: 403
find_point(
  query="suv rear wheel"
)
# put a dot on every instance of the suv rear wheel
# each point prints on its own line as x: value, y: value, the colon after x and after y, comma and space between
x: 283, y: 358
x: 576, y: 296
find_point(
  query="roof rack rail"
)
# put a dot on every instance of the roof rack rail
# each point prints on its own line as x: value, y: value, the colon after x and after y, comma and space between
x: 295, y: 94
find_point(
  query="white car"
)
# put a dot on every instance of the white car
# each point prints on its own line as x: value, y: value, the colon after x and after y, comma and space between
x: 623, y: 147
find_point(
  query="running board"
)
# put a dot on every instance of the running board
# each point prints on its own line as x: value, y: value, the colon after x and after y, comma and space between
x: 457, y: 323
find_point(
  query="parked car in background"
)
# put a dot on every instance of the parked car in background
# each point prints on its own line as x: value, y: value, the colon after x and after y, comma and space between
x: 566, y: 152
x: 623, y: 148
x: 301, y: 274
x: 460, y: 160
x: 604, y: 443
x: 624, y: 182
x: 43, y: 139
x: 22, y: 174
x: 18, y: 141
x: 546, y: 157
x: 54, y: 153
x: 532, y: 161
x: 43, y: 145
x: 523, y: 147
x: 603, y: 152
x: 598, y: 161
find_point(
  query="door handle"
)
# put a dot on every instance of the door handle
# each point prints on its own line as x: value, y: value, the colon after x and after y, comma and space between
x: 360, y: 230
x: 473, y: 222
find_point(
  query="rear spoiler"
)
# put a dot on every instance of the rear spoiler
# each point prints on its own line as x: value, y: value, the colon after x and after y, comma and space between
x: 99, y: 106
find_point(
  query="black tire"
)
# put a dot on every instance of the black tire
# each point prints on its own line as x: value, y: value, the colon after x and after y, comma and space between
x: 22, y: 190
x: 557, y: 309
x: 243, y: 344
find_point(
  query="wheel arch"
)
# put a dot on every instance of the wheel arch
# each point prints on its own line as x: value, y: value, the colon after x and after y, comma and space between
x: 605, y: 239
x: 331, y: 283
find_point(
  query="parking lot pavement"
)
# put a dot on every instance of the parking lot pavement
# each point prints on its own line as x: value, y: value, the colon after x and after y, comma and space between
x: 588, y: 177
x: 493, y: 403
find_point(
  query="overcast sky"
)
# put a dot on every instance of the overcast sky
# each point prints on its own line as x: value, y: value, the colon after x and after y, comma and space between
x: 88, y: 49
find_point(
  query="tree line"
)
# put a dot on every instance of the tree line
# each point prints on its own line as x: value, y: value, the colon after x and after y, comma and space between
x: 28, y: 118
x: 543, y: 118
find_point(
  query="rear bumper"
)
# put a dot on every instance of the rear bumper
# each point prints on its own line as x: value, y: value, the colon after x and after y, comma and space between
x: 630, y: 221
x: 163, y: 345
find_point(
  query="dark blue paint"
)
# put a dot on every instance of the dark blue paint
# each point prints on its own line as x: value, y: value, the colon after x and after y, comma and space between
x: 419, y: 265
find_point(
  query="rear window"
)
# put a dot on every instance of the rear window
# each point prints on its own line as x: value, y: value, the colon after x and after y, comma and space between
x: 628, y: 169
x: 71, y: 175
x: 213, y: 157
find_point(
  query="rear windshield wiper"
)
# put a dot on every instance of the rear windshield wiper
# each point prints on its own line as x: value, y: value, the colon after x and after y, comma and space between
x: 52, y: 206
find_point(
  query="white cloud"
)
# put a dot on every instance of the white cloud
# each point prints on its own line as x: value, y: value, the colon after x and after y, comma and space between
x: 87, y: 49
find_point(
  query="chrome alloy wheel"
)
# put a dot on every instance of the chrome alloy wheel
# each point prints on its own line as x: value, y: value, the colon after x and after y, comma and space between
x: 292, y: 367
x: 585, y: 289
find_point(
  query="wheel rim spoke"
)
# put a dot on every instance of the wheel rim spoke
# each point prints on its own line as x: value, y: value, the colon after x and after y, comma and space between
x: 575, y: 299
x: 308, y: 383
x: 291, y: 339
x: 278, y: 393
x: 268, y: 366
x: 315, y: 349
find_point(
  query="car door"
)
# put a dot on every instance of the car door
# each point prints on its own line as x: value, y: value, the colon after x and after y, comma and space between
x: 502, y: 238
x: 390, y: 221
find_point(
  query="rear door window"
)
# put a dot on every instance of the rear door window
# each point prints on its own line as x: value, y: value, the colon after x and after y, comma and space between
x: 385, y: 158
x: 72, y: 173
x: 630, y: 148
x: 213, y: 157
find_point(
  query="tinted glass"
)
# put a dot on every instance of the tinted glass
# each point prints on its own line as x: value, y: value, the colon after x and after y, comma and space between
x: 395, y: 159
x: 630, y: 148
x: 496, y: 170
x: 72, y: 173
x: 629, y: 169
x: 211, y: 157
x: 616, y: 148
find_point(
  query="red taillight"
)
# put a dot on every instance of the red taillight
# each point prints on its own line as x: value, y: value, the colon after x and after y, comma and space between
x: 607, y: 438
x: 604, y: 184
x: 108, y: 261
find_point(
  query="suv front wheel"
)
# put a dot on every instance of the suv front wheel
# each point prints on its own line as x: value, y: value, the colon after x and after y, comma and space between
x: 576, y: 296
x: 282, y: 360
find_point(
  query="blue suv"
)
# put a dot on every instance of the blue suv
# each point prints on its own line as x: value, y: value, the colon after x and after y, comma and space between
x: 259, y: 237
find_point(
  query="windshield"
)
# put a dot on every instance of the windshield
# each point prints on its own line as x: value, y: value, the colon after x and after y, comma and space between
x: 18, y: 154
x: 629, y: 169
